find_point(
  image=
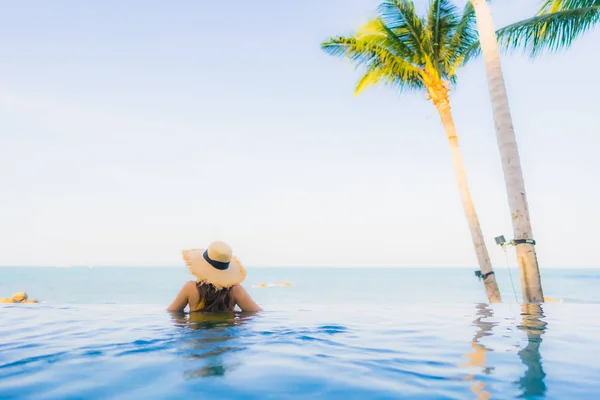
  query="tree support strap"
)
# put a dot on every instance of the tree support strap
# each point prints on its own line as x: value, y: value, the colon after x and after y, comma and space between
x: 483, y: 276
x: 523, y: 241
x: 502, y: 242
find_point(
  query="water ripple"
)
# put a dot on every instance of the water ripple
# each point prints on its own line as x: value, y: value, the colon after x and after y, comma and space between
x: 451, y: 351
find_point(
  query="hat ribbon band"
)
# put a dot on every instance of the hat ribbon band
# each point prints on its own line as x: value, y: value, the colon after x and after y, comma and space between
x: 216, y: 264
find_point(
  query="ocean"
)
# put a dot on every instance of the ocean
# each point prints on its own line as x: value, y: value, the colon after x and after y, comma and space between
x: 335, y: 333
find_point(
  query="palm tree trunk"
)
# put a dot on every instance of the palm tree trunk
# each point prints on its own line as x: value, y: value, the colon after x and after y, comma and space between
x: 513, y: 175
x: 442, y: 103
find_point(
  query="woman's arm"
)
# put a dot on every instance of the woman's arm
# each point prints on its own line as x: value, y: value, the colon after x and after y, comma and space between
x: 243, y: 299
x: 182, y: 299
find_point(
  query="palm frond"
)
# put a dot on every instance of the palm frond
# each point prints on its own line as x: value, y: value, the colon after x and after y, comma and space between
x: 433, y: 27
x: 466, y: 55
x: 551, y: 6
x: 371, y: 30
x: 549, y: 32
x: 400, y: 16
x: 441, y: 22
x: 464, y: 44
x: 377, y: 32
x: 371, y: 78
x: 373, y: 57
x: 378, y: 75
x: 365, y: 53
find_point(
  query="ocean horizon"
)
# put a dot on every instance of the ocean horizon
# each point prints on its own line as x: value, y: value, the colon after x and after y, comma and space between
x: 81, y: 283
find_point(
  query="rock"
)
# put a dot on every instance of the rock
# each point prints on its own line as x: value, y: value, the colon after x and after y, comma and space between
x: 20, y: 296
x: 5, y: 300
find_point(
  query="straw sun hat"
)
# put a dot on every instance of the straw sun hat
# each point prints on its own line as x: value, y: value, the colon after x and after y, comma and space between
x: 215, y: 265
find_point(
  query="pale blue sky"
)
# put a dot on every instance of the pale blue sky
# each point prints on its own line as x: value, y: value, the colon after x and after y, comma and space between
x: 131, y: 130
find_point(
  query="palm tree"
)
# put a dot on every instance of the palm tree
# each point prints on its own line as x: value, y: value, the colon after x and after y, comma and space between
x: 531, y: 284
x: 555, y: 27
x: 410, y: 53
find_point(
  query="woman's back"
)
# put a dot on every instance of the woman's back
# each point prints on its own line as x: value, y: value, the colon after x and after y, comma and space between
x: 204, y: 297
x: 212, y: 300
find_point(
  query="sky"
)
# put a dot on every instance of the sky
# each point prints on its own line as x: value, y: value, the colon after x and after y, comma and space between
x: 132, y: 130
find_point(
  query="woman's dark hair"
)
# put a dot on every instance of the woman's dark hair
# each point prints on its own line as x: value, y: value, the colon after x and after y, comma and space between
x: 213, y: 299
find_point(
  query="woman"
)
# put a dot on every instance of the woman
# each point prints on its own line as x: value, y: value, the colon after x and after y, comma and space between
x: 217, y: 287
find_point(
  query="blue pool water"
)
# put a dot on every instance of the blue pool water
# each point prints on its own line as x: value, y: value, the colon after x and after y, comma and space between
x: 336, y: 333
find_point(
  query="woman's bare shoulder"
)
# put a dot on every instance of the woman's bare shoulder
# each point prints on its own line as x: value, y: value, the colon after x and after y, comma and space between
x: 186, y: 295
x: 243, y: 300
x: 191, y: 290
x: 237, y: 291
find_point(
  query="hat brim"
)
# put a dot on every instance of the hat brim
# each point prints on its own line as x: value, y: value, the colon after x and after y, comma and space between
x: 206, y: 273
